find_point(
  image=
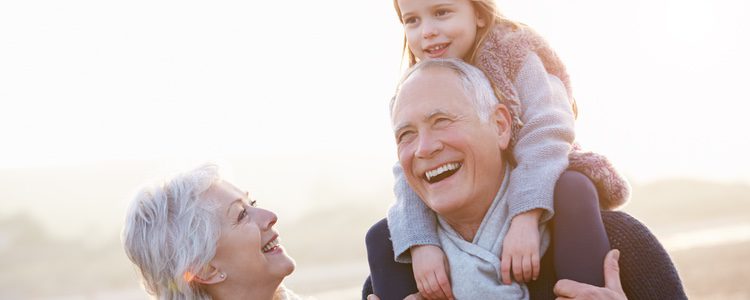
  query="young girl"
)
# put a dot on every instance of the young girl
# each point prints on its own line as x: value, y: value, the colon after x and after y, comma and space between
x: 543, y: 149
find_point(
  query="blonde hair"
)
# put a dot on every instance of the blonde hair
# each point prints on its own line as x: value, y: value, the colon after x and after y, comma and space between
x: 487, y: 10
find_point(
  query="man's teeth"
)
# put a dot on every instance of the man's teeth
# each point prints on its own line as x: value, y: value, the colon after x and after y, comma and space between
x: 271, y: 245
x: 440, y: 170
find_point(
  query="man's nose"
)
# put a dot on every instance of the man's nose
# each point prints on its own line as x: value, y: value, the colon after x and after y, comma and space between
x: 428, y: 145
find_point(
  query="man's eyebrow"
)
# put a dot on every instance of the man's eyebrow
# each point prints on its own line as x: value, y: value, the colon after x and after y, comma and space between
x: 401, y: 127
x: 436, y: 112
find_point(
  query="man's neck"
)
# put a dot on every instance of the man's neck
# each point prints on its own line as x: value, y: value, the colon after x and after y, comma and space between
x: 468, y: 220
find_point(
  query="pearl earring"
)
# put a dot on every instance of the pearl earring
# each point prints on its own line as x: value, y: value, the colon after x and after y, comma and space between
x: 222, y: 275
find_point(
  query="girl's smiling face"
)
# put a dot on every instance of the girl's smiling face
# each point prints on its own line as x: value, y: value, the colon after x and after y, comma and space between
x: 440, y: 28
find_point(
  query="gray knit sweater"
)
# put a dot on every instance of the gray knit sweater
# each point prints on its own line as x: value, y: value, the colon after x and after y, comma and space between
x: 541, y: 152
x: 475, y: 266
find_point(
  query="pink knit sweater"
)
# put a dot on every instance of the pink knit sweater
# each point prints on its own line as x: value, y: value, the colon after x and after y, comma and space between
x: 501, y: 56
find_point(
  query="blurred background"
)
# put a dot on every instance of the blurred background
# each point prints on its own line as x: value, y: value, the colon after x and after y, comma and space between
x: 290, y: 98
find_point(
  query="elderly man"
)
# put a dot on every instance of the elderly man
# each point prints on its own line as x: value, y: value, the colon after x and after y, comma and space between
x: 451, y: 147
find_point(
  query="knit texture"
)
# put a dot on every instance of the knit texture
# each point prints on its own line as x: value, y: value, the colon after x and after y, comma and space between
x: 501, y: 56
x: 646, y: 270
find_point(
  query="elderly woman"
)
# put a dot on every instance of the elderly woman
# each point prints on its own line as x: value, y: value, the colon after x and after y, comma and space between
x: 197, y: 236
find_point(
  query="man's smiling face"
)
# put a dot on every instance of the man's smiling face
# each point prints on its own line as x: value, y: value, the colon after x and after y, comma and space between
x: 450, y: 157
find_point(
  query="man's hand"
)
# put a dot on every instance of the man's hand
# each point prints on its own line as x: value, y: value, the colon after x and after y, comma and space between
x: 521, y: 248
x: 569, y: 289
x: 431, y: 272
x: 415, y: 296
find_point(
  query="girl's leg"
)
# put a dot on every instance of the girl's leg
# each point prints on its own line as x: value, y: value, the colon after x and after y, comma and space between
x: 580, y: 241
x: 390, y: 280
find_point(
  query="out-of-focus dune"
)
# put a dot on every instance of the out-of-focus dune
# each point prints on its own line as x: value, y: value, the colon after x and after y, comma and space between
x: 324, y: 233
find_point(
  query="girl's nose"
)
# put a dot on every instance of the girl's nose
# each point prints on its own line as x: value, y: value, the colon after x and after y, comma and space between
x: 429, y: 31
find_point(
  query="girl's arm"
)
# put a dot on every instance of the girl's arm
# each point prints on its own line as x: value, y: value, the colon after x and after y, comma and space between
x: 410, y: 221
x: 544, y: 141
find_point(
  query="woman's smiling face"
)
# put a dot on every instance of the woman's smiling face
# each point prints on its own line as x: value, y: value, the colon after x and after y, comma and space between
x: 248, y: 251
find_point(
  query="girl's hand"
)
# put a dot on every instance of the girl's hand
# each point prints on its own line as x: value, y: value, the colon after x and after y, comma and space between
x: 431, y: 272
x: 521, y: 248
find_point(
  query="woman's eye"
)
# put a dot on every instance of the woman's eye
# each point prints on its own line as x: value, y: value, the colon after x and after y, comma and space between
x: 242, y: 215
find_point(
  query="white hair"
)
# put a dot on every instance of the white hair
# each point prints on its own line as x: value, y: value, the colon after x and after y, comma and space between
x: 475, y: 84
x: 170, y: 233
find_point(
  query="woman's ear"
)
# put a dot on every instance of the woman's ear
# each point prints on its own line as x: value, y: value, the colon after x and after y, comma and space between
x: 209, y: 275
x: 501, y: 118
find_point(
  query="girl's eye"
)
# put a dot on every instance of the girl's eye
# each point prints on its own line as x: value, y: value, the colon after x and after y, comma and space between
x: 410, y: 20
x: 441, y: 12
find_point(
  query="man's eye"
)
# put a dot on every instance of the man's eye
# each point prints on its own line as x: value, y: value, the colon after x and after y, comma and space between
x: 405, y: 136
x: 442, y: 121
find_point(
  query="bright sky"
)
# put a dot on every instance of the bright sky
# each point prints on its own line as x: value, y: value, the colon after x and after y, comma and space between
x: 661, y: 85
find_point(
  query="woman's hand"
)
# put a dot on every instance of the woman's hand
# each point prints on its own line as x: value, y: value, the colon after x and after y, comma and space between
x: 521, y: 248
x: 431, y: 272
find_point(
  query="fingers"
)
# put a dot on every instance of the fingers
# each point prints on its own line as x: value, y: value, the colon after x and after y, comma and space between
x: 505, y: 269
x: 372, y: 297
x: 517, y: 268
x: 527, y: 268
x: 415, y: 296
x: 612, y: 271
x: 535, y: 264
x: 567, y: 288
x: 435, y: 286
x: 444, y: 284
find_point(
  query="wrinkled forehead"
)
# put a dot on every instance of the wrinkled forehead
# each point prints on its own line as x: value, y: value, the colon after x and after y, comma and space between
x: 433, y: 87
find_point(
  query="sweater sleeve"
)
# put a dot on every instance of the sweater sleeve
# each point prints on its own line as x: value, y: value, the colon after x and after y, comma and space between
x: 544, y: 141
x: 410, y: 221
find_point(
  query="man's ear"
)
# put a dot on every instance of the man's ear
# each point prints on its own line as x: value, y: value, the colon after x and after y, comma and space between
x: 503, y: 122
x: 209, y: 275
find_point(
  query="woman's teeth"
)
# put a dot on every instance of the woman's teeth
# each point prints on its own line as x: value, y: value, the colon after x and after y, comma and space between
x: 271, y: 245
x: 433, y: 174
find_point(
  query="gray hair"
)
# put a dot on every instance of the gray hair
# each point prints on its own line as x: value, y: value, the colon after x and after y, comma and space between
x: 171, y: 233
x: 476, y: 85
